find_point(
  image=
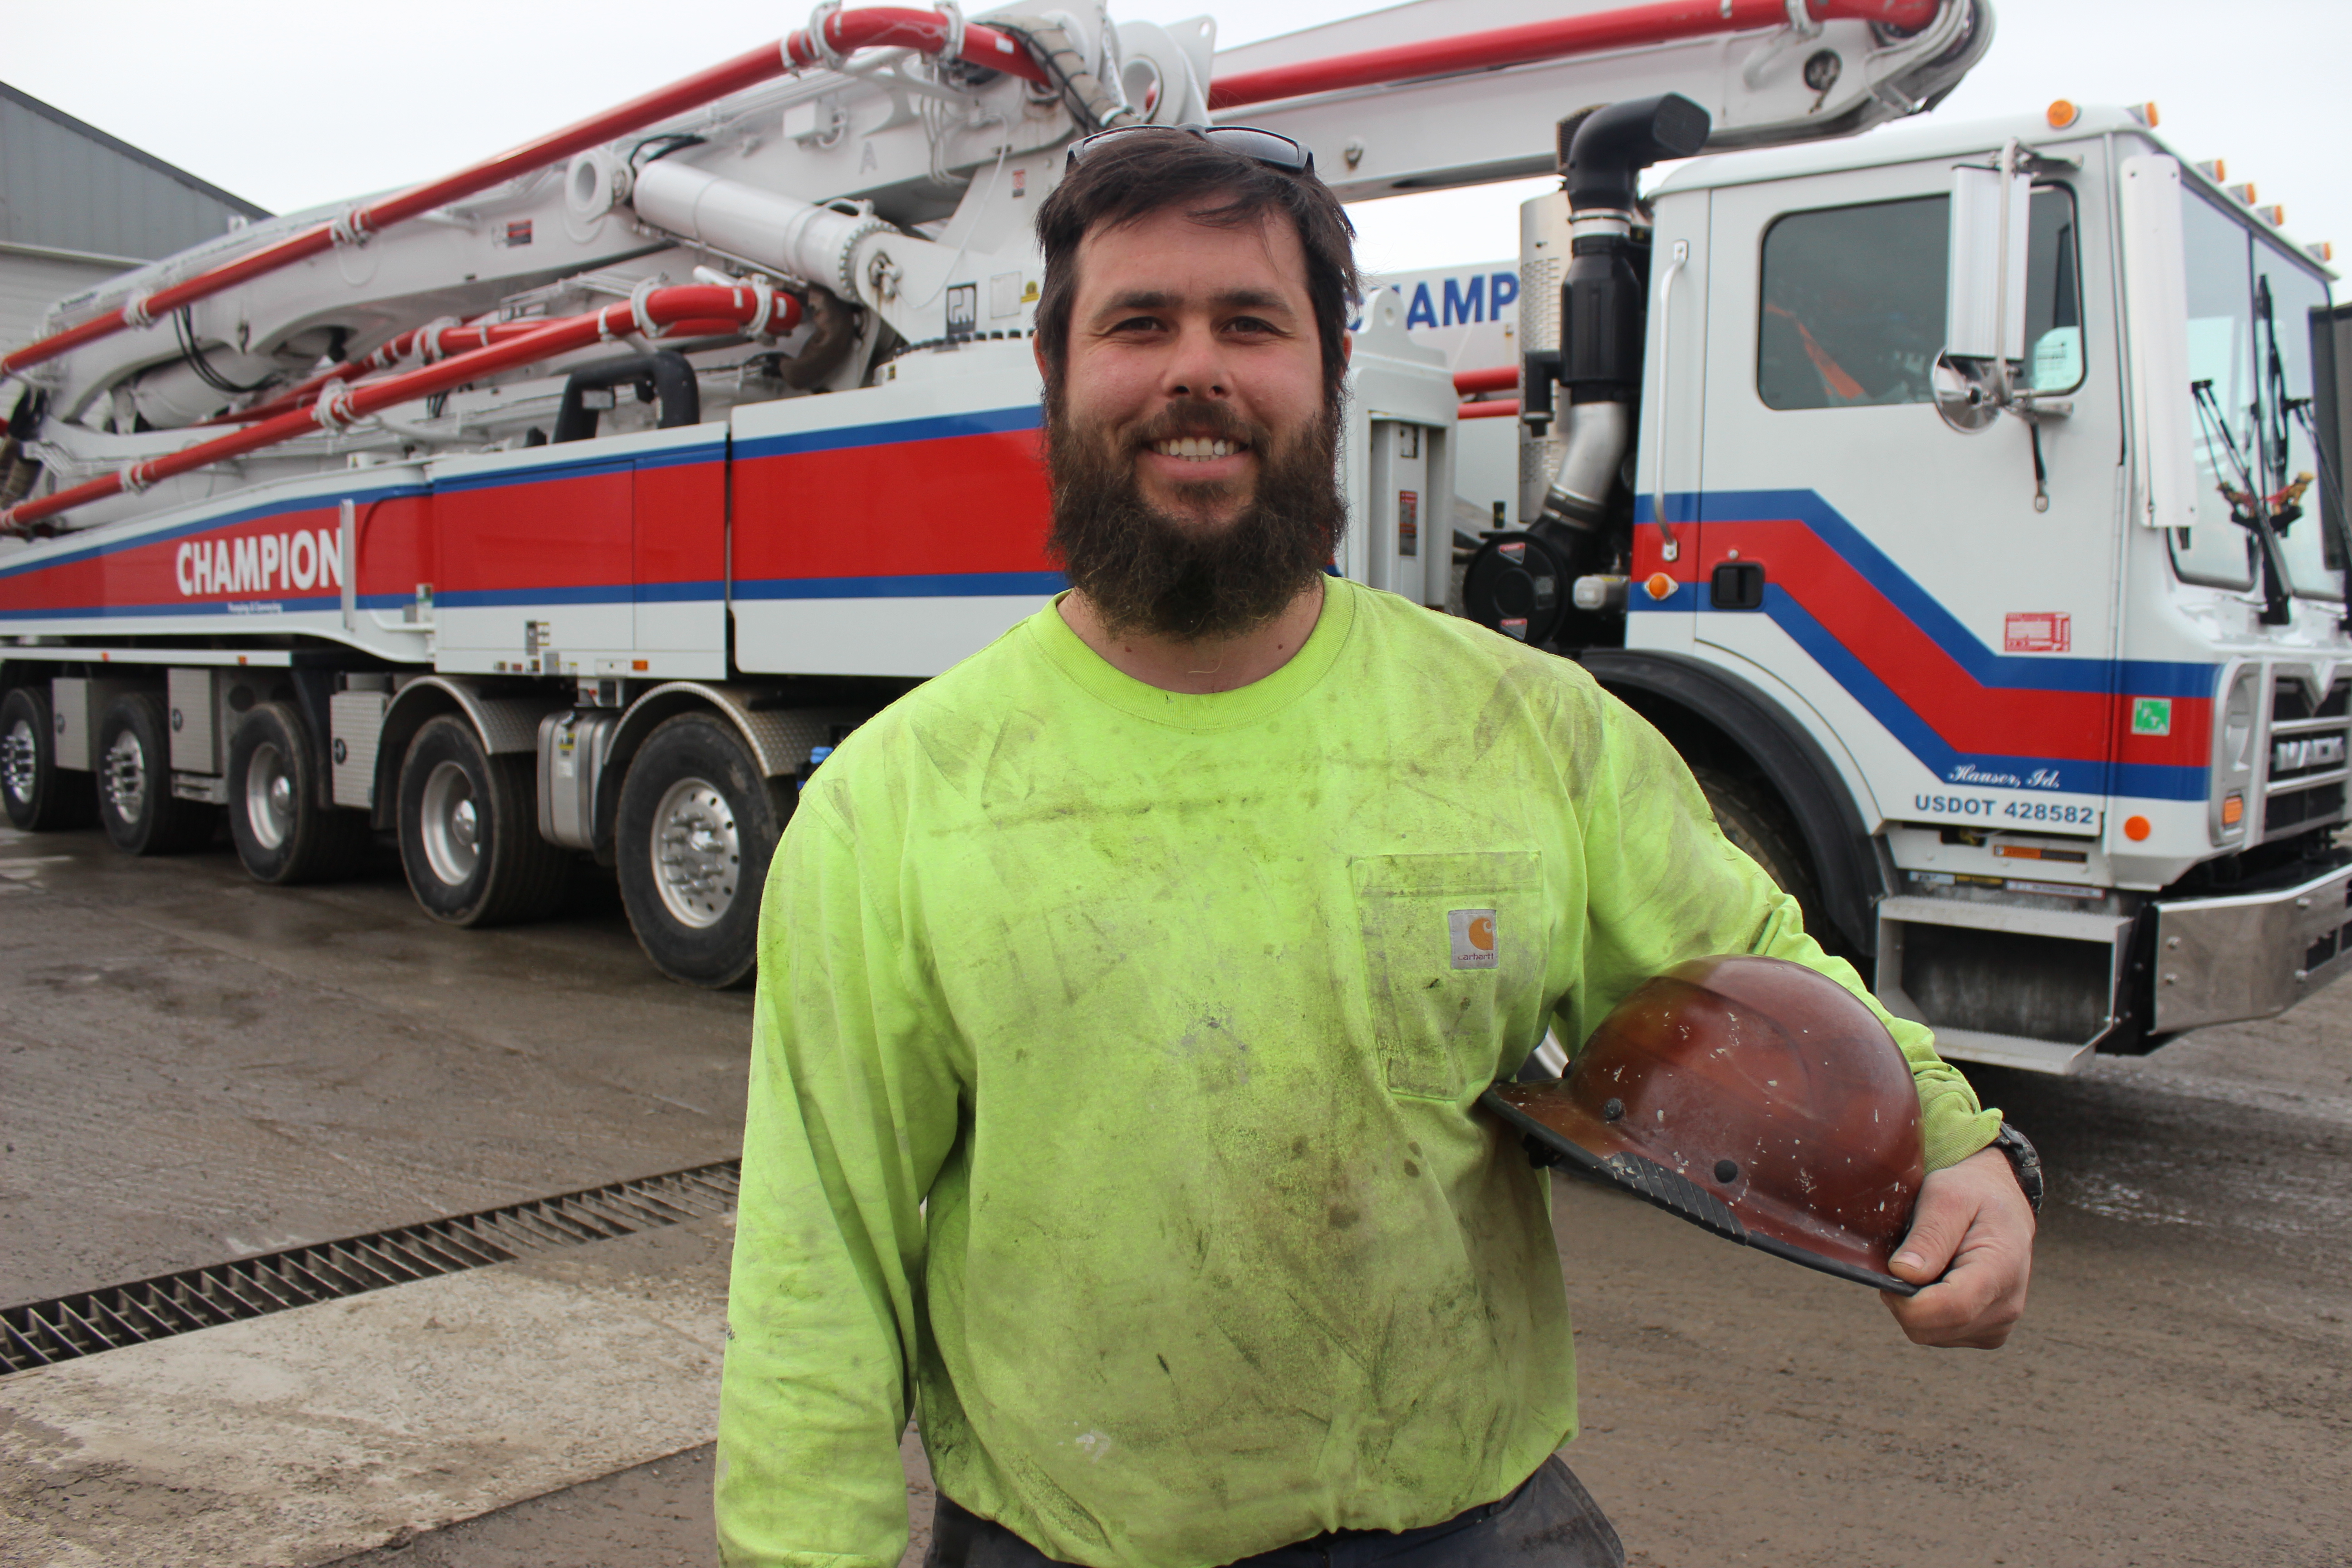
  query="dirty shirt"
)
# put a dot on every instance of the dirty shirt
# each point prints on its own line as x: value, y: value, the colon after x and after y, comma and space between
x: 1112, y: 1095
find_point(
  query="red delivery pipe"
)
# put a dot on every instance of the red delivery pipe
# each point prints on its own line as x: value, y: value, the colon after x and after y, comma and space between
x: 1593, y: 33
x: 845, y: 31
x: 892, y: 27
x: 1494, y: 378
x: 1493, y: 408
x: 695, y: 305
x: 437, y: 341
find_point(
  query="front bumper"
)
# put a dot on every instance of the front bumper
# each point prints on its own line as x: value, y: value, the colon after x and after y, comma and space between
x: 2250, y: 955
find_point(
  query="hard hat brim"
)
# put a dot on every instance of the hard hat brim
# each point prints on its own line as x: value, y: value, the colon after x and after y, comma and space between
x: 1559, y: 1131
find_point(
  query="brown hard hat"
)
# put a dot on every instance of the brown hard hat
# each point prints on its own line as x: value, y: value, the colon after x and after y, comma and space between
x: 1752, y: 1095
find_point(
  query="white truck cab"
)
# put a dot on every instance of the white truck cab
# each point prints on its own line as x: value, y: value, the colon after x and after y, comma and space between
x: 2024, y: 663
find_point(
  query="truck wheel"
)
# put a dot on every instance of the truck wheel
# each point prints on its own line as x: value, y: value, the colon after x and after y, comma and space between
x: 469, y: 837
x: 1752, y: 819
x: 40, y: 796
x: 698, y: 825
x: 135, y: 803
x: 282, y: 833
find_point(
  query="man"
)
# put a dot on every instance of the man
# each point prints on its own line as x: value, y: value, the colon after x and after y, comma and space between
x: 1112, y: 1093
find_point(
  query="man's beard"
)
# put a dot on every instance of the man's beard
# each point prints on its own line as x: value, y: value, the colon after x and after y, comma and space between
x: 1146, y: 570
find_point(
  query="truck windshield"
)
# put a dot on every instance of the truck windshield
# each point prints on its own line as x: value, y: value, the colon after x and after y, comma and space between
x: 1854, y: 303
x: 2253, y: 309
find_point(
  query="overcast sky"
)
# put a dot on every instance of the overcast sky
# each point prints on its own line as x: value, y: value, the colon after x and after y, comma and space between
x: 290, y: 105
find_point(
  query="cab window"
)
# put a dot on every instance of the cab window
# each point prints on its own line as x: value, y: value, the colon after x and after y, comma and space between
x: 1854, y: 303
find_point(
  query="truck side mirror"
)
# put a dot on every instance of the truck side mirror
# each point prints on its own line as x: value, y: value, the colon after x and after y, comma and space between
x: 1985, y: 285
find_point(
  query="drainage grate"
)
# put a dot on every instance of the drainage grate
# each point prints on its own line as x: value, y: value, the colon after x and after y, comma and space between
x: 45, y: 1333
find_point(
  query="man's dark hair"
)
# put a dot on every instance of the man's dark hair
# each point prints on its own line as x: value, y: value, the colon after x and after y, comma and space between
x: 1125, y: 180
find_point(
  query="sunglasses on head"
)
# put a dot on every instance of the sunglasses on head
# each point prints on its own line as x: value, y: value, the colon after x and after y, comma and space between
x: 1276, y: 152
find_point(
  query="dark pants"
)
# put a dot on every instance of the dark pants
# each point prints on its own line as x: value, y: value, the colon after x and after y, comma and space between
x: 1551, y: 1521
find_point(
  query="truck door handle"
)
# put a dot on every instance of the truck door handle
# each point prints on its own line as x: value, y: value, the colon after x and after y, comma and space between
x: 1737, y: 586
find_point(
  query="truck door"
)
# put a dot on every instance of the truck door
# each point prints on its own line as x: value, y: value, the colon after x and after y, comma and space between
x: 1864, y: 559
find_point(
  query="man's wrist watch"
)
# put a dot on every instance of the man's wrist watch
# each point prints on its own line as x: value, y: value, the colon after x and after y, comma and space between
x: 2023, y: 1159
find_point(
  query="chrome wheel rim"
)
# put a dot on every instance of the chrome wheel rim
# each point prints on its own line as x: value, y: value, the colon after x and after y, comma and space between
x: 452, y: 825
x: 698, y: 853
x: 19, y: 756
x: 270, y: 797
x: 123, y: 777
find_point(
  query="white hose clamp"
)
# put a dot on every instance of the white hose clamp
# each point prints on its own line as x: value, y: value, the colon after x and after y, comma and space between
x: 349, y: 229
x: 953, y: 49
x: 765, y: 292
x: 333, y: 411
x: 831, y: 57
x: 133, y: 478
x: 638, y: 297
x: 428, y: 338
x: 134, y: 311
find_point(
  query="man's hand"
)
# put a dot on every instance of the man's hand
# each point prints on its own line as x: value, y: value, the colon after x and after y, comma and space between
x: 1972, y: 1219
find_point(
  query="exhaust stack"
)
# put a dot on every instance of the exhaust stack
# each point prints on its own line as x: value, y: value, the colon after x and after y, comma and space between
x: 1604, y: 297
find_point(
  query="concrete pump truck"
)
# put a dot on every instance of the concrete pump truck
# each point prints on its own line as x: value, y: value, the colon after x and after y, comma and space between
x: 1959, y: 499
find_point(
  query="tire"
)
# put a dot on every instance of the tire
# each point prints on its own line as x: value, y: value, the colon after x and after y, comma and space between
x: 135, y: 803
x: 282, y: 832
x: 1751, y: 817
x: 697, y: 825
x: 469, y: 835
x: 39, y: 795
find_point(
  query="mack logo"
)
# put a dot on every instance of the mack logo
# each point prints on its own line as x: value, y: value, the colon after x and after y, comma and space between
x: 2307, y: 751
x: 258, y: 564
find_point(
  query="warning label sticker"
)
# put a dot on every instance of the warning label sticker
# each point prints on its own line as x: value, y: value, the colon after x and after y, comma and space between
x: 2041, y: 631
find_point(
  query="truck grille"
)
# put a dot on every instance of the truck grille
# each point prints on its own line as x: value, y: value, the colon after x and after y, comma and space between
x: 2310, y: 744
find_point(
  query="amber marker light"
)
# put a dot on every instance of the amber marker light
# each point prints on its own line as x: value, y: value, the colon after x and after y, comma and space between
x: 2062, y: 113
x: 2136, y: 828
x: 2233, y: 809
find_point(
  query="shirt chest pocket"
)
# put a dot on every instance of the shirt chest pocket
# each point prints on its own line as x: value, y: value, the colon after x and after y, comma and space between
x: 1454, y: 950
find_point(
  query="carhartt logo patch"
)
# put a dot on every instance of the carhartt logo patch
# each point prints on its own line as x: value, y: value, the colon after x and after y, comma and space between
x: 1474, y: 938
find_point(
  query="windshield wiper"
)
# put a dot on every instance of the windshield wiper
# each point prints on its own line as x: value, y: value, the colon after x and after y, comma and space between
x: 2248, y: 508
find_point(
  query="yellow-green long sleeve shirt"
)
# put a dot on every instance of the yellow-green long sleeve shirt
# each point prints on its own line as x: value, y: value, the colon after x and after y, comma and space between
x: 1111, y: 1098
